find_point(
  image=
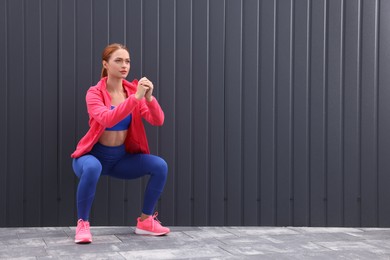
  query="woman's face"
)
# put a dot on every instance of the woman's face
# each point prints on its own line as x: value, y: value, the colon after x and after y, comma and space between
x: 118, y: 65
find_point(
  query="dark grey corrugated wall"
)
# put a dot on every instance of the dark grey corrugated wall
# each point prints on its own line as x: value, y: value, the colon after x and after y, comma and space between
x: 277, y: 111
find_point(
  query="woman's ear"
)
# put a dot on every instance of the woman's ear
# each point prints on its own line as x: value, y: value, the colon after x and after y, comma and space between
x: 104, y: 63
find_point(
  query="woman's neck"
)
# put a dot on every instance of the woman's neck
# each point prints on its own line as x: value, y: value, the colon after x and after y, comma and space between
x: 114, y: 84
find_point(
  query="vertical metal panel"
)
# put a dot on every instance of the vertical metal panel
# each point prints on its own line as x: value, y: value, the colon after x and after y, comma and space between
x: 351, y: 114
x: 101, y: 29
x: 250, y: 110
x: 283, y: 95
x: 369, y: 114
x: 133, y: 32
x: 233, y: 112
x: 199, y: 114
x: 276, y: 110
x: 3, y: 112
x: 116, y: 14
x: 50, y: 112
x: 267, y: 113
x: 15, y: 112
x: 334, y: 118
x: 216, y: 112
x: 317, y: 112
x: 33, y: 137
x: 383, y: 113
x: 184, y: 207
x: 300, y: 108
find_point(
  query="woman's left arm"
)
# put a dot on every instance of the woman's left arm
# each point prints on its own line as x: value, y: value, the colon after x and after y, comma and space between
x: 152, y: 112
x: 150, y: 108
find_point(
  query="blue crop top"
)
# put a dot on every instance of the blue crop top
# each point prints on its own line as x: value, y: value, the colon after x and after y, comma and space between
x: 121, y: 125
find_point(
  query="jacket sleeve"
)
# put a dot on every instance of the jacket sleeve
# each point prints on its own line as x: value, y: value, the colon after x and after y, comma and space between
x: 152, y: 112
x: 105, y: 116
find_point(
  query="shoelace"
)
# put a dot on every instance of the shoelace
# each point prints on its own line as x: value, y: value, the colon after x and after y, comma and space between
x: 84, y: 225
x: 155, y: 219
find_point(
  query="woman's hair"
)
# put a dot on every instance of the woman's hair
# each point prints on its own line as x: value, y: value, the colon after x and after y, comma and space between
x: 106, y: 55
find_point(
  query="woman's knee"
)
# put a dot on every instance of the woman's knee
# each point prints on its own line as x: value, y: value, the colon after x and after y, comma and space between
x: 92, y: 167
x: 161, y: 167
x: 92, y: 172
x: 88, y: 169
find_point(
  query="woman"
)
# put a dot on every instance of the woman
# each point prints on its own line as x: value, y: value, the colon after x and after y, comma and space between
x: 116, y: 143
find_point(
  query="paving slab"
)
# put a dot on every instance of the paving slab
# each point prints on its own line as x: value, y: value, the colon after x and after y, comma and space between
x: 198, y: 243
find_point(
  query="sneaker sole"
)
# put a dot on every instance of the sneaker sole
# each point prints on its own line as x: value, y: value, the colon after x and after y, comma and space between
x: 149, y: 233
x: 83, y: 241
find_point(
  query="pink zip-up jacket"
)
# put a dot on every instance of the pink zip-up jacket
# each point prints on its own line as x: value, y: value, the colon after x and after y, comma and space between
x: 101, y: 117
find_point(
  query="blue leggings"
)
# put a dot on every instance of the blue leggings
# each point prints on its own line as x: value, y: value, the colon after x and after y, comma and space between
x: 115, y: 162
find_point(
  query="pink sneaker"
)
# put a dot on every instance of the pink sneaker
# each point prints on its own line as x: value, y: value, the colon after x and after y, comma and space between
x: 151, y: 226
x: 83, y: 234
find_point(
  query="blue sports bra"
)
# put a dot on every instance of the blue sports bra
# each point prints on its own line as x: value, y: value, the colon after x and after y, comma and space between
x: 121, y: 125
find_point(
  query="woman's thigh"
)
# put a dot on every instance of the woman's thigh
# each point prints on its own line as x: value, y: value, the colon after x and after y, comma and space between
x: 133, y: 166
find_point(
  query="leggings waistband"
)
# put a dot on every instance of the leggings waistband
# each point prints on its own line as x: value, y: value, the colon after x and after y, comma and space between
x: 101, y: 149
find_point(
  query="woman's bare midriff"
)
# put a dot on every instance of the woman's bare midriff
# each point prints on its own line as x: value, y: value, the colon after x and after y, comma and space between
x: 113, y: 138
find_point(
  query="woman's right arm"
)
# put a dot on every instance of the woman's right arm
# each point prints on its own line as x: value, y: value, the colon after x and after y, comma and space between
x: 105, y: 116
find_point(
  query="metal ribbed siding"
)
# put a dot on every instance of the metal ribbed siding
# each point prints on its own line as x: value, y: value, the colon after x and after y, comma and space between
x: 276, y: 110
